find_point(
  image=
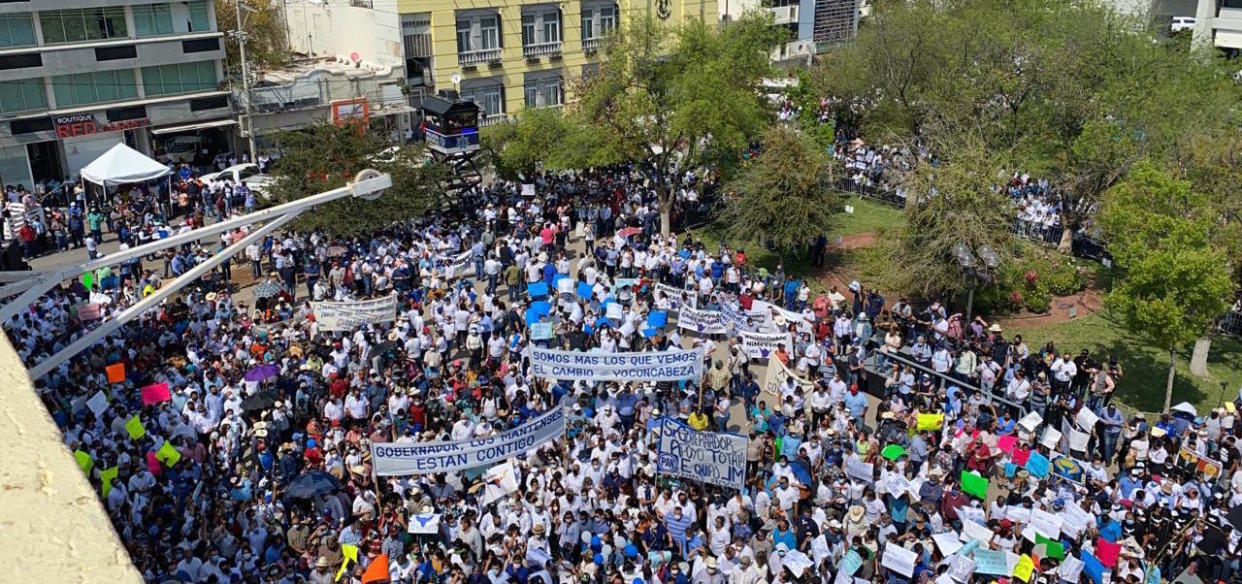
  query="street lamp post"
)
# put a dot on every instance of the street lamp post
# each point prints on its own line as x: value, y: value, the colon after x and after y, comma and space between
x: 977, y: 267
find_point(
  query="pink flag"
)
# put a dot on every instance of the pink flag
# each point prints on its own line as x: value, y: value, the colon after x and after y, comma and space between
x: 1005, y: 443
x: 155, y: 393
x: 1107, y: 552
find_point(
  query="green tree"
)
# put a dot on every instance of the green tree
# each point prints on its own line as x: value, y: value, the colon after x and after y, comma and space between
x: 791, y: 178
x: 1174, y: 282
x: 543, y: 139
x: 265, y: 29
x: 675, y: 98
x: 327, y: 156
x: 956, y: 203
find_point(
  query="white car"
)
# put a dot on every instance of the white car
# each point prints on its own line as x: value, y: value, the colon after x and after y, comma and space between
x: 248, y: 172
x: 1181, y: 23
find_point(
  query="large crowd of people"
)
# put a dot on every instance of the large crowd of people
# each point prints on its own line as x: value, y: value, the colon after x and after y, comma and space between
x: 886, y: 442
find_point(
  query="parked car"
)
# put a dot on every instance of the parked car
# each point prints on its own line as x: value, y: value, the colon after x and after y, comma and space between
x: 187, y: 149
x: 1181, y: 23
x: 248, y: 172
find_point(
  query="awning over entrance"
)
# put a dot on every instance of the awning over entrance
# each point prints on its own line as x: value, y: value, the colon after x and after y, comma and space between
x: 196, y: 126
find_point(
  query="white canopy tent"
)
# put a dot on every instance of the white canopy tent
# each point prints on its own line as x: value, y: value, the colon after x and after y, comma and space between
x: 122, y: 165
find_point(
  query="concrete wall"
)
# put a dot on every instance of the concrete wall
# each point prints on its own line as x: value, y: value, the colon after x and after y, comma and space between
x: 336, y: 28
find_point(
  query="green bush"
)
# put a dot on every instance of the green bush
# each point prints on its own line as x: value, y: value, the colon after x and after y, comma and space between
x: 1031, y: 282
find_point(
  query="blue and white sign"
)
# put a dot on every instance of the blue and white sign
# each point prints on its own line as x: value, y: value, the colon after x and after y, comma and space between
x: 750, y: 321
x: 710, y: 457
x: 415, y: 458
x: 706, y: 322
x: 677, y: 297
x: 764, y: 345
x: 598, y: 366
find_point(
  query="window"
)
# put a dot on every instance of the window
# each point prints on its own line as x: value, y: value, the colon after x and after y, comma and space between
x: 463, y: 36
x: 88, y: 24
x: 153, y: 20
x: 490, y: 98
x: 22, y: 95
x: 489, y: 32
x: 528, y: 30
x: 588, y: 24
x: 20, y: 61
x: 116, y: 53
x: 607, y: 19
x: 543, y: 92
x: 94, y: 87
x: 551, y: 27
x: 179, y: 78
x: 16, y: 30
x: 199, y: 19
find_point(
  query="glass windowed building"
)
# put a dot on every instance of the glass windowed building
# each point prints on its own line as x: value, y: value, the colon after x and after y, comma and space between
x: 77, y: 77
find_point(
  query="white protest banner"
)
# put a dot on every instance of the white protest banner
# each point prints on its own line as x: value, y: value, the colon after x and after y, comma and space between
x: 456, y: 266
x: 402, y: 459
x: 677, y: 297
x: 790, y: 316
x: 499, y: 481
x: 98, y: 403
x: 1018, y: 514
x: 1045, y: 523
x: 424, y: 524
x: 899, y: 559
x: 595, y: 366
x: 565, y: 286
x: 855, y: 468
x: 614, y: 311
x: 710, y: 457
x: 1086, y: 419
x: 1031, y: 422
x: 540, y: 331
x: 347, y: 316
x: 751, y: 321
x: 707, y: 322
x: 1074, y: 520
x: 948, y: 543
x: 528, y: 189
x: 896, y: 484
x: 763, y: 345
x: 819, y: 548
x: 776, y: 375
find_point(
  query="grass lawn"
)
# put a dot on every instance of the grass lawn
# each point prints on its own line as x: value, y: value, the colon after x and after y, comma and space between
x: 868, y: 217
x: 1146, y: 368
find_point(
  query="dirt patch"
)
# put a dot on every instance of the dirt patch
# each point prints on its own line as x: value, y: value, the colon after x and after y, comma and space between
x: 1063, y: 309
x: 856, y: 241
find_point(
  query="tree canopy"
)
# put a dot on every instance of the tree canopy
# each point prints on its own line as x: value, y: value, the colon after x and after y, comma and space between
x: 265, y: 45
x: 1174, y: 281
x: 1061, y: 89
x: 784, y: 197
x: 671, y: 98
x: 327, y: 156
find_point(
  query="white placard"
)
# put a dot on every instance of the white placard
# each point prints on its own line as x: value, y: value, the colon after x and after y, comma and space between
x: 948, y: 543
x: 972, y: 514
x: 597, y: 366
x: 614, y: 311
x: 98, y: 403
x: 899, y: 559
x: 677, y: 297
x: 1045, y: 523
x: 1031, y: 422
x: 855, y: 468
x: 499, y: 481
x: 528, y: 189
x: 961, y: 569
x: 425, y: 524
x: 1078, y: 440
x: 565, y: 286
x: 1051, y: 439
x: 1070, y: 569
x: 1018, y: 514
x: 1086, y: 419
x: 972, y: 530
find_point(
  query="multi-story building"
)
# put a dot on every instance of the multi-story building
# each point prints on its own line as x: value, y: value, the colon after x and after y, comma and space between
x: 811, y: 25
x: 506, y: 55
x: 78, y: 76
x: 1218, y: 23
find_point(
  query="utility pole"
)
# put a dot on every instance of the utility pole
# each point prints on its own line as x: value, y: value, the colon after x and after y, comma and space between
x: 241, y: 45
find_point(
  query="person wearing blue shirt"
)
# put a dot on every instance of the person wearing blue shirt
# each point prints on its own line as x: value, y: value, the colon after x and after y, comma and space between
x: 856, y: 403
x: 1109, y: 528
x: 784, y: 534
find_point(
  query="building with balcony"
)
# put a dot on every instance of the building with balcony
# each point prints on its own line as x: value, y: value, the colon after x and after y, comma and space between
x: 78, y: 76
x: 811, y: 25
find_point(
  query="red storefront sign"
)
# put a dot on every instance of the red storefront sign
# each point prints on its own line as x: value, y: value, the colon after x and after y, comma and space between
x: 74, y: 125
